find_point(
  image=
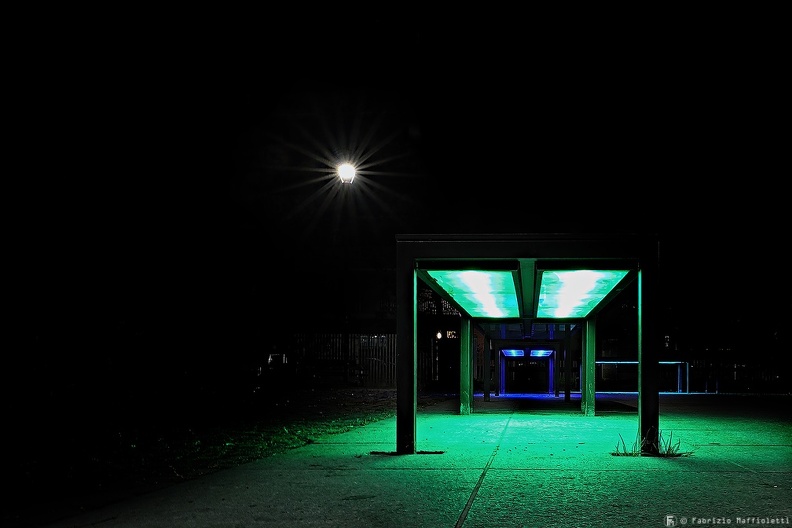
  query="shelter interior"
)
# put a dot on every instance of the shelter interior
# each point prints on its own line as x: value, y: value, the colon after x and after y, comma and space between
x: 522, y: 298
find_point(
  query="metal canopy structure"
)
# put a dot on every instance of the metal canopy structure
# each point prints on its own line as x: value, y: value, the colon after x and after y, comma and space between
x: 506, y: 278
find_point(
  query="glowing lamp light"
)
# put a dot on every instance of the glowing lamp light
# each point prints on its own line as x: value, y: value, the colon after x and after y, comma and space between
x: 513, y: 352
x: 481, y: 293
x: 563, y: 294
x: 575, y: 293
x: 346, y: 172
x: 541, y: 353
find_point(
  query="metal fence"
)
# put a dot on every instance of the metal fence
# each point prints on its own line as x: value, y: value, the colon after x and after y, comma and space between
x: 347, y: 359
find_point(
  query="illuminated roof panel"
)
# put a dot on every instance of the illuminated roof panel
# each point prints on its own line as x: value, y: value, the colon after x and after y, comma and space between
x: 563, y: 294
x: 574, y: 293
x: 490, y: 294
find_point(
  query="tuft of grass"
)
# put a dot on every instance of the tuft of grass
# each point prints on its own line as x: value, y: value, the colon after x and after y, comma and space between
x: 664, y: 447
x: 669, y: 448
x: 635, y: 450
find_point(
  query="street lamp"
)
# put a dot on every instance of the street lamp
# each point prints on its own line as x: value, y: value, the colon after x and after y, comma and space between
x: 346, y: 172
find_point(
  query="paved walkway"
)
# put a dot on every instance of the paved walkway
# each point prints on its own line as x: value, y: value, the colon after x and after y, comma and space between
x: 513, y: 462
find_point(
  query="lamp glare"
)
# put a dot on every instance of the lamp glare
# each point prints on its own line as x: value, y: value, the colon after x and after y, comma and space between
x: 346, y: 172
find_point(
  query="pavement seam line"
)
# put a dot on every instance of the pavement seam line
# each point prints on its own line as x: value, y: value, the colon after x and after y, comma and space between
x: 743, y: 467
x: 469, y: 504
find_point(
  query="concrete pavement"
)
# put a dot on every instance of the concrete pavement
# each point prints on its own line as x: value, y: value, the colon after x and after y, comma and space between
x: 531, y: 462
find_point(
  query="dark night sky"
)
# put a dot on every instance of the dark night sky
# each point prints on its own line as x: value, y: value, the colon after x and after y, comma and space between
x: 171, y: 165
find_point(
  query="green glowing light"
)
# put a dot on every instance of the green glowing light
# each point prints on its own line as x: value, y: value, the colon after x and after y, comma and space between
x: 480, y: 293
x: 573, y: 294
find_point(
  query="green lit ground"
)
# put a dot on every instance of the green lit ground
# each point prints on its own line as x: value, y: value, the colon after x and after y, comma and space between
x: 511, y: 463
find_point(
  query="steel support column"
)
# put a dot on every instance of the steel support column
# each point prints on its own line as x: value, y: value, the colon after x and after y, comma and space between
x: 487, y: 367
x: 649, y: 343
x: 406, y: 354
x: 588, y: 368
x: 466, y: 348
x: 567, y: 365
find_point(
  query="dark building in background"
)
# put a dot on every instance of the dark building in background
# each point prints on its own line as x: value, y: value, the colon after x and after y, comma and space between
x: 355, y: 346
